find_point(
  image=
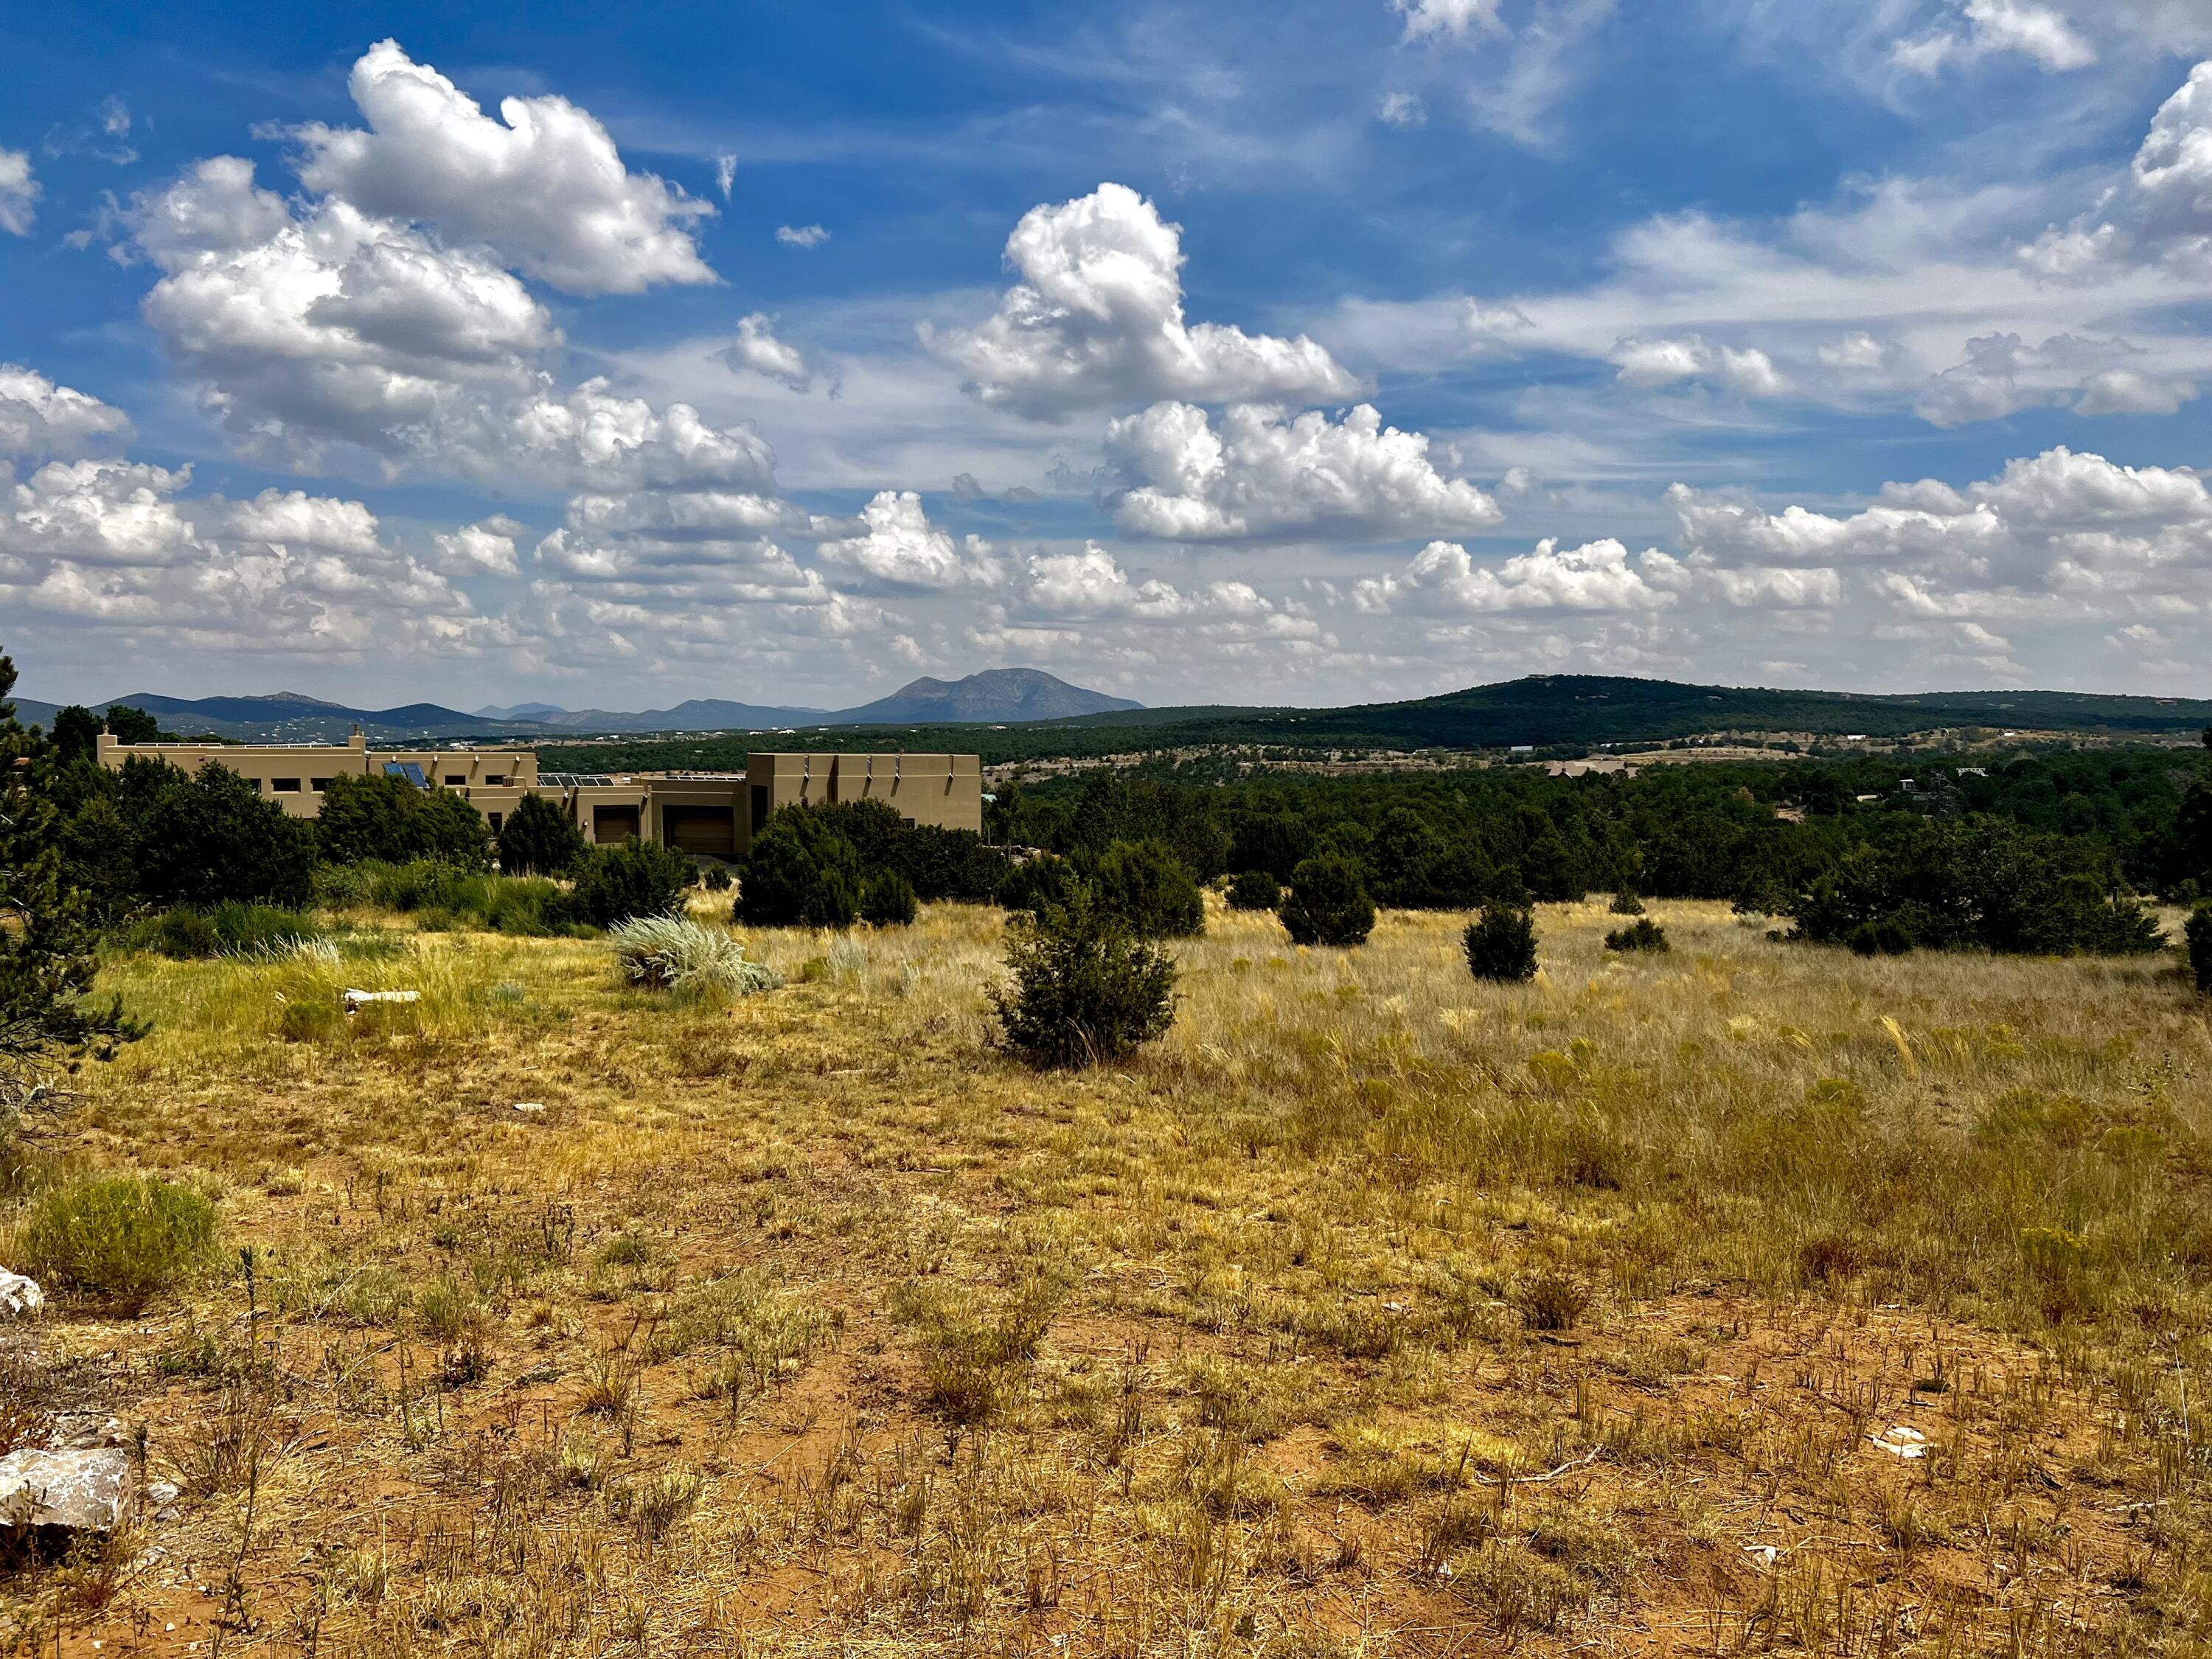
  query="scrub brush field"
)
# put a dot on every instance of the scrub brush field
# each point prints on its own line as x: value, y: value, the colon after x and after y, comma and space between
x: 1752, y: 1296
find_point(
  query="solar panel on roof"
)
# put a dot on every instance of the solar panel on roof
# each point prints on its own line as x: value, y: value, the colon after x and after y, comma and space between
x: 410, y: 770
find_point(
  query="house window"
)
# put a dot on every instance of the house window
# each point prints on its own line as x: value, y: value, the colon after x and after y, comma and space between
x: 284, y: 785
x: 495, y: 780
x: 495, y: 817
x: 457, y: 780
x: 318, y: 784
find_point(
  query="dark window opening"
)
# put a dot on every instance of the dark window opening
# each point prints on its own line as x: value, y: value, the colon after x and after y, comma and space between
x: 457, y: 780
x: 318, y: 784
x: 495, y: 780
x: 284, y: 785
x: 760, y: 806
x: 495, y: 817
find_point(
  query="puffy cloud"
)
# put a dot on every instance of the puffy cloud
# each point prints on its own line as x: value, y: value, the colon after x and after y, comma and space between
x: 293, y: 518
x: 1092, y: 583
x: 1231, y: 620
x: 19, y: 193
x: 319, y: 321
x: 2160, y: 214
x: 39, y: 418
x: 543, y: 185
x: 757, y: 350
x: 901, y: 547
x: 1097, y: 318
x: 1443, y: 578
x: 2061, y: 523
x: 1428, y: 19
x: 113, y: 545
x: 99, y: 511
x: 1260, y: 473
x: 1749, y: 371
x: 327, y: 325
x: 599, y: 438
x: 332, y: 325
x: 2037, y: 32
x: 807, y: 236
x: 485, y: 549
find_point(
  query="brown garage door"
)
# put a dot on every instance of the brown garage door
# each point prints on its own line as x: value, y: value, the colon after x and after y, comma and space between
x: 613, y: 825
x: 712, y: 831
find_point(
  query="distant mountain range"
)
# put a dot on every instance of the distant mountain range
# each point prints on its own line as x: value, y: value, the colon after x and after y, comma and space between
x: 994, y: 695
x: 1542, y: 710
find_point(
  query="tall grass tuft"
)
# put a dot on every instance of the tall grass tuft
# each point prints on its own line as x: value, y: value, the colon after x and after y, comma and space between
x: 526, y: 905
x: 232, y: 928
x: 119, y: 1237
x: 674, y: 953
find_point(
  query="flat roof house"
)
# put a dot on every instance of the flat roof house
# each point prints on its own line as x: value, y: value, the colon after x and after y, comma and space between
x: 712, y: 814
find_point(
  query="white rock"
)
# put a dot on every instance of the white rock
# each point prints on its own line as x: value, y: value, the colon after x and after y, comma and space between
x: 80, y: 1490
x: 161, y: 1494
x: 530, y: 1108
x: 355, y: 999
x: 1903, y: 1440
x: 19, y: 1297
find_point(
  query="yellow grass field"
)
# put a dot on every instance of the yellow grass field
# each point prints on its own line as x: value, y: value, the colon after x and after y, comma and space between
x: 1751, y: 1297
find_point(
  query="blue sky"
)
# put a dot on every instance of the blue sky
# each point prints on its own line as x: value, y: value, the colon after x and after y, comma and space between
x: 1309, y: 354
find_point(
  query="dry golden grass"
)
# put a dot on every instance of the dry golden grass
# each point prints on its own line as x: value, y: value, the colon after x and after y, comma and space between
x: 1374, y: 1311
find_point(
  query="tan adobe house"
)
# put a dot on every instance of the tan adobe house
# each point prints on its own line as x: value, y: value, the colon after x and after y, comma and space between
x: 715, y: 814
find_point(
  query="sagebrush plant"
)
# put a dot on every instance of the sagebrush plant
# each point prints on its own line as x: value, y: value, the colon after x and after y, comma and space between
x: 1084, y: 988
x: 123, y: 1237
x: 674, y: 953
x: 1501, y: 945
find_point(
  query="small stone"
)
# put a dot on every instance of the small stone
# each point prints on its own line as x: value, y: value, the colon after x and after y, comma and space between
x: 1903, y: 1440
x: 530, y: 1108
x: 19, y: 1297
x: 79, y: 1490
x: 161, y: 1494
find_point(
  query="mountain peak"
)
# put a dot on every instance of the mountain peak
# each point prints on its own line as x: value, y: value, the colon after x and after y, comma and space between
x: 992, y: 694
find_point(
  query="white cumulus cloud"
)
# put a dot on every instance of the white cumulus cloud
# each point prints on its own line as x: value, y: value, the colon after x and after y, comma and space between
x: 1748, y: 371
x: 900, y: 546
x: 1096, y: 318
x: 757, y: 350
x: 40, y: 419
x: 485, y: 549
x: 808, y: 236
x: 1262, y: 472
x: 1444, y: 579
x: 544, y: 185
